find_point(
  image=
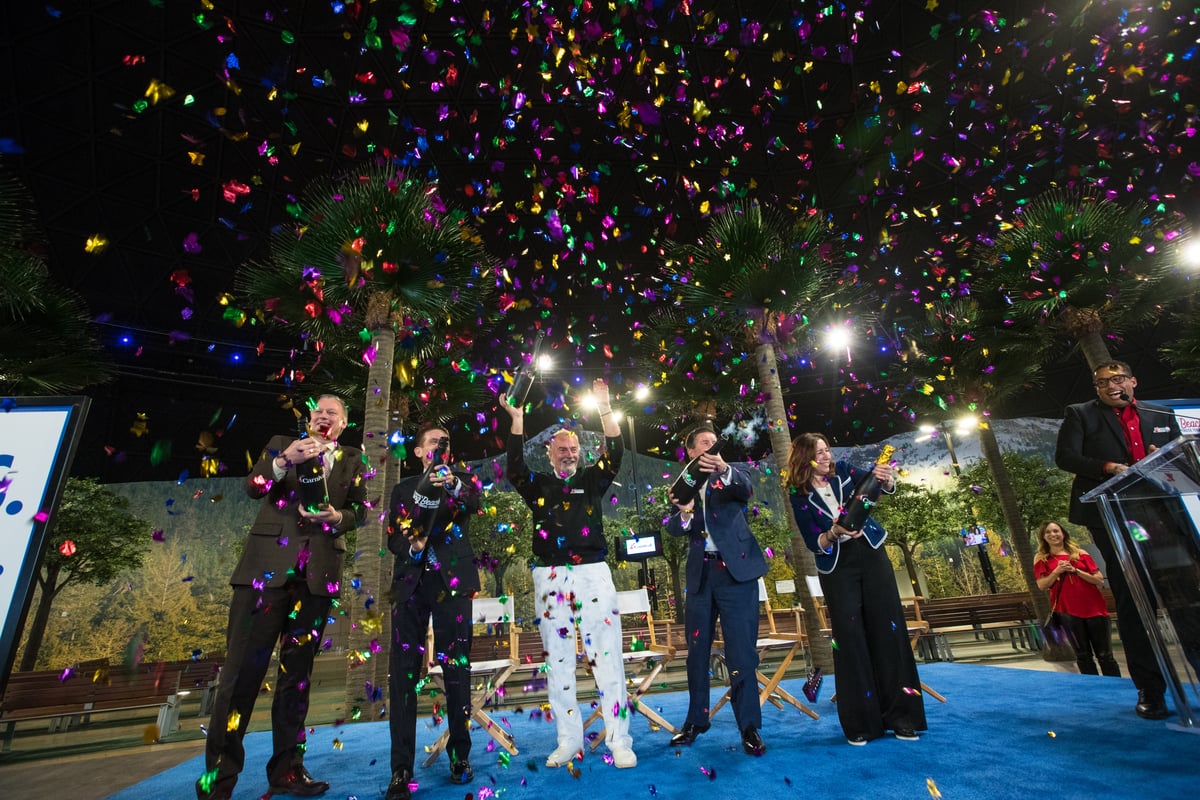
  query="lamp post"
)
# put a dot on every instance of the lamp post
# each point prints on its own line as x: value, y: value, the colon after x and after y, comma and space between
x: 645, y: 574
x: 962, y: 426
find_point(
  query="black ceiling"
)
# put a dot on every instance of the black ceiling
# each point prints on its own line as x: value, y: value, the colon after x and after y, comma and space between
x: 178, y: 131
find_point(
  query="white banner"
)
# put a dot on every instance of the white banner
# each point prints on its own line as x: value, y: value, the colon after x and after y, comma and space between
x: 37, y: 440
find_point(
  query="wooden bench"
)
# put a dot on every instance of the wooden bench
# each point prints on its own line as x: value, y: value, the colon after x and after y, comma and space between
x: 199, y: 676
x: 66, y: 700
x: 986, y: 616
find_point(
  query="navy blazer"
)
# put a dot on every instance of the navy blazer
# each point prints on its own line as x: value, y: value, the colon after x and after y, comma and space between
x: 1091, y: 436
x: 447, y: 528
x: 813, y: 517
x: 724, y: 515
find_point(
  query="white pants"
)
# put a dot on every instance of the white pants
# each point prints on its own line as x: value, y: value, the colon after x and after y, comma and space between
x: 582, y: 595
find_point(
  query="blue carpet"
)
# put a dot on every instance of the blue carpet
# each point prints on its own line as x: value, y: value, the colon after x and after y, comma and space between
x: 1005, y: 733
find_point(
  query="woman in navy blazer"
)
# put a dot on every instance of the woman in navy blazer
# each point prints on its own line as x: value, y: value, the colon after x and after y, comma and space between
x: 877, y: 684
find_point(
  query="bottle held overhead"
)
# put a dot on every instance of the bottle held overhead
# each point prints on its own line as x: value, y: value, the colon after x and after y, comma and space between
x: 523, y: 377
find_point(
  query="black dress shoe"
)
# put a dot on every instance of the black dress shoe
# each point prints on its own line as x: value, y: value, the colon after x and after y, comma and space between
x: 461, y: 772
x: 687, y: 734
x: 213, y: 793
x: 1150, y: 706
x: 398, y: 788
x: 752, y: 743
x: 297, y: 781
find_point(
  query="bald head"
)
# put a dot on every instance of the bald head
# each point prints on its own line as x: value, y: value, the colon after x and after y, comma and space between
x: 563, y: 451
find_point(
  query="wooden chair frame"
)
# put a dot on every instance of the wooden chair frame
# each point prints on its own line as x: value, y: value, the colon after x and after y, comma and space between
x: 491, y: 672
x: 772, y: 639
x: 639, y: 653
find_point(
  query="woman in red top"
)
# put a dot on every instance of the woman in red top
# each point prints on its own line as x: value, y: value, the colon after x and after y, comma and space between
x: 1074, y: 582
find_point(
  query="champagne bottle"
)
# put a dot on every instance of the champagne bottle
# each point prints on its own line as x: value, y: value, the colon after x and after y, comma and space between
x: 687, y: 485
x: 866, y: 494
x: 314, y: 491
x: 428, y: 494
x: 518, y: 390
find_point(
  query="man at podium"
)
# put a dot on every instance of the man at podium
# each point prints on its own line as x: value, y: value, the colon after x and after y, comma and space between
x: 1098, y: 439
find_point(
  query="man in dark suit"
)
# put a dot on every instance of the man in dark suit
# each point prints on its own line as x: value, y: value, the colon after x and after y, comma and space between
x: 1099, y: 439
x: 283, y: 587
x: 723, y: 567
x: 436, y: 575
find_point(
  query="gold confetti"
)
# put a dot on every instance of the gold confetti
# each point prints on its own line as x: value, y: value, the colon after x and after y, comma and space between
x: 933, y: 790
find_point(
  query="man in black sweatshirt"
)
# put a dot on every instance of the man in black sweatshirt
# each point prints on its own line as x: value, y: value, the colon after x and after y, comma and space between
x: 572, y: 585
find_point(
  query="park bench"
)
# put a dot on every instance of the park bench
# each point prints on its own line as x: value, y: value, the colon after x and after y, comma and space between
x: 987, y: 616
x: 200, y: 676
x: 64, y: 702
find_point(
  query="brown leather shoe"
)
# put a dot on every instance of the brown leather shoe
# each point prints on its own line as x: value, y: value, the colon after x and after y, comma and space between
x: 297, y: 781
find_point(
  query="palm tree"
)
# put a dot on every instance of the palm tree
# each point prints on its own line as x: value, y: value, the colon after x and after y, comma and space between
x: 47, y: 345
x: 373, y: 256
x: 747, y: 284
x: 958, y: 361
x: 1078, y: 266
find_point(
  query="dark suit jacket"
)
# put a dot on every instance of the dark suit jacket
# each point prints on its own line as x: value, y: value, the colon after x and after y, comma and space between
x: 813, y: 517
x: 1091, y: 436
x: 446, y: 528
x: 724, y: 506
x: 280, y: 540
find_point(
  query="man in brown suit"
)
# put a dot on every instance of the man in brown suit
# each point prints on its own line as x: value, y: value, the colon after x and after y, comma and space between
x: 283, y: 587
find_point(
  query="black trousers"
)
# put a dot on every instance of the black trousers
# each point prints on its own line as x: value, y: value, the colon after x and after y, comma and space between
x: 1091, y: 638
x: 294, y: 618
x: 877, y: 684
x: 1139, y: 655
x: 452, y: 642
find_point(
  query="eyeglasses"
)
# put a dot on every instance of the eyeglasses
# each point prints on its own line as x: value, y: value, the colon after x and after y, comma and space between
x: 1115, y: 380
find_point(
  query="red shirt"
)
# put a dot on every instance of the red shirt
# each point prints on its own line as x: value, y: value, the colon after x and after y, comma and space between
x: 1132, y: 425
x: 1071, y: 593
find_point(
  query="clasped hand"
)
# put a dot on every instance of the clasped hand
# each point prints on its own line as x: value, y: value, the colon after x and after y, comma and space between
x: 838, y: 531
x: 326, y: 515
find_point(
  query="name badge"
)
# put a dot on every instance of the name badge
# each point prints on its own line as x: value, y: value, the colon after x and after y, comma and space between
x: 1162, y: 430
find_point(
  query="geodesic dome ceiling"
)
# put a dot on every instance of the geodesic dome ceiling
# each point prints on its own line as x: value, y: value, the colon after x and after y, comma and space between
x: 164, y: 141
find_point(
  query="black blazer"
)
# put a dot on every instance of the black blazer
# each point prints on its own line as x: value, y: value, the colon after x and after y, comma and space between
x: 447, y: 528
x: 1091, y: 436
x: 280, y: 539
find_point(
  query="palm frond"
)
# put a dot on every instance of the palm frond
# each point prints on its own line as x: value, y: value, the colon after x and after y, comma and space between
x: 372, y: 233
x: 1069, y: 250
x: 957, y: 357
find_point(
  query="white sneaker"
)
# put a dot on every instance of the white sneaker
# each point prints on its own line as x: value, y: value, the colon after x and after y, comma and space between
x: 561, y: 756
x: 624, y: 758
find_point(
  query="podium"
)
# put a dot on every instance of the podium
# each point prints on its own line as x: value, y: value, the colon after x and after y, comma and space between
x: 1152, y: 512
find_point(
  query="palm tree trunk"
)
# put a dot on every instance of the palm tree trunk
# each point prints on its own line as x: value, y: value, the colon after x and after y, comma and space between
x: 368, y: 608
x: 803, y: 561
x: 1086, y: 327
x: 1007, y: 497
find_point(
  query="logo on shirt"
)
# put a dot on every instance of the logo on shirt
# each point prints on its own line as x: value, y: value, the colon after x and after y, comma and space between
x: 426, y: 502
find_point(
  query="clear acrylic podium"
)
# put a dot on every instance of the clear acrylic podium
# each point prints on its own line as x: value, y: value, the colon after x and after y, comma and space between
x: 1152, y: 511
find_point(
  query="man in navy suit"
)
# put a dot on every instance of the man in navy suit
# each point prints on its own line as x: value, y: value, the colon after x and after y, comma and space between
x: 435, y: 576
x: 723, y: 567
x: 1099, y: 439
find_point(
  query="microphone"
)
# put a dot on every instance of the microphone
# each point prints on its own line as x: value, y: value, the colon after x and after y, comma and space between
x: 1177, y: 417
